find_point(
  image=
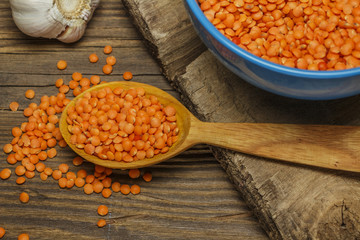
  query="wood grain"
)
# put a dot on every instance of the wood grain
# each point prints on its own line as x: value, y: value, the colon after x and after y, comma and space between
x: 190, y: 196
x: 326, y: 146
x: 291, y: 201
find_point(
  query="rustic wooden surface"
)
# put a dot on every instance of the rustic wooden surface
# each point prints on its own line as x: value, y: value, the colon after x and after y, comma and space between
x: 190, y: 196
x: 291, y: 201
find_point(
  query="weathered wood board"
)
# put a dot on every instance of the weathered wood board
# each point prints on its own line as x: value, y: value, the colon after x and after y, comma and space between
x: 291, y: 201
x: 190, y: 196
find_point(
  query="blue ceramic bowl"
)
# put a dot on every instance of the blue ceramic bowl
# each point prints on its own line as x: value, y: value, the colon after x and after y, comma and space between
x: 275, y: 78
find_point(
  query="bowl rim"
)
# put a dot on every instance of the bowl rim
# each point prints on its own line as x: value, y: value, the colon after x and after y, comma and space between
x: 195, y: 8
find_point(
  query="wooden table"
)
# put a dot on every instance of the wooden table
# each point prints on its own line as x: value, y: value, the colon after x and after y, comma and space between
x: 190, y: 196
x: 291, y: 201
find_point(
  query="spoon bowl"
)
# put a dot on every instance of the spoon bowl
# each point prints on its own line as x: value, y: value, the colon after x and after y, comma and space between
x: 184, y: 118
x: 326, y: 146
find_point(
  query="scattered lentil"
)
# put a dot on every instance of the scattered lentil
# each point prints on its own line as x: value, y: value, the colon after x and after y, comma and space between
x: 24, y: 197
x: 14, y: 106
x: 111, y: 60
x: 103, y: 210
x: 59, y: 82
x: 125, y: 189
x: 20, y: 170
x: 107, y: 69
x: 43, y: 176
x: 98, y: 187
x: 107, y: 49
x: 95, y: 80
x: 2, y: 232
x: 79, y: 182
x: 30, y: 94
x: 135, y: 189
x: 81, y: 173
x: 127, y: 76
x: 20, y: 180
x: 147, y: 177
x: 93, y: 58
x: 115, y: 187
x: 5, y: 173
x: 56, y: 174
x: 134, y: 173
x: 76, y: 76
x: 63, y: 167
x: 88, y: 188
x: 106, y: 192
x: 48, y: 171
x: 8, y: 148
x: 62, y: 182
x: 61, y: 65
x: 23, y: 236
x: 101, y: 223
x: 29, y: 174
x: 64, y: 89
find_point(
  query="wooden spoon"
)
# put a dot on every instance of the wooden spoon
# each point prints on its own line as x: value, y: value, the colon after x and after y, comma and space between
x: 327, y: 146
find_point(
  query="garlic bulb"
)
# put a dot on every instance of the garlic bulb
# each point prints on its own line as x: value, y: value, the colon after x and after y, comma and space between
x: 64, y: 20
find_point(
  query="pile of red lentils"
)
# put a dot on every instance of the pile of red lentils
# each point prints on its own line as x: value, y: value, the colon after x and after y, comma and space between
x: 122, y: 124
x: 36, y: 139
x: 304, y: 34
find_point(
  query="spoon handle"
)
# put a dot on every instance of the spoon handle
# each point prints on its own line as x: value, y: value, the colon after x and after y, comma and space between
x: 327, y: 146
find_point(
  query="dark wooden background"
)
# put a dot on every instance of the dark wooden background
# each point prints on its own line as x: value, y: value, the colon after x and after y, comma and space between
x: 190, y: 196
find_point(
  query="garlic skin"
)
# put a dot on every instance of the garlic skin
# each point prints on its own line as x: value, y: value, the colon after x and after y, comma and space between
x: 65, y: 20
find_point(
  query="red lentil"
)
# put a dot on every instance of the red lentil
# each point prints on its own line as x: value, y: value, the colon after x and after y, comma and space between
x: 8, y: 148
x: 5, y: 173
x: 107, y: 49
x: 101, y: 223
x: 147, y: 177
x: 127, y: 75
x: 111, y: 60
x: 98, y: 187
x: 115, y: 187
x: 135, y: 189
x: 43, y: 176
x: 61, y: 65
x: 95, y: 79
x: 23, y: 236
x: 20, y: 180
x: 88, y: 188
x: 134, y: 173
x: 79, y: 182
x: 59, y: 82
x: 107, y: 69
x: 30, y: 94
x: 76, y: 76
x: 125, y: 189
x: 103, y: 210
x: 24, y: 197
x: 106, y: 192
x: 2, y: 232
x: 93, y: 58
x: 62, y: 182
x: 63, y: 167
x: 56, y: 174
x: 14, y: 106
